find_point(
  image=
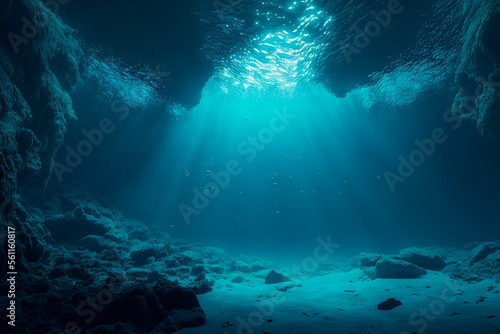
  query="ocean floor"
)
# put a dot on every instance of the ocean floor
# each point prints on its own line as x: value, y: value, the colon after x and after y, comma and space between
x: 344, y: 302
x: 88, y: 269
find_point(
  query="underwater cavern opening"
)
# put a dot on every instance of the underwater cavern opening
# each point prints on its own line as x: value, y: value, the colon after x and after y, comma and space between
x: 303, y: 166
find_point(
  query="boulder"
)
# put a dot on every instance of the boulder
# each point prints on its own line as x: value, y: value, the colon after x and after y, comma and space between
x: 217, y: 269
x: 423, y: 258
x: 202, y: 286
x: 481, y: 251
x: 95, y: 243
x: 368, y: 259
x: 238, y: 279
x: 84, y: 220
x: 388, y: 267
x: 197, y: 269
x: 370, y: 272
x: 241, y: 266
x: 389, y: 304
x: 274, y: 277
x: 141, y: 253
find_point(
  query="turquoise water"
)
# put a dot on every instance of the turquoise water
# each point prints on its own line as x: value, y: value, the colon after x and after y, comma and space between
x: 291, y: 170
x: 382, y: 168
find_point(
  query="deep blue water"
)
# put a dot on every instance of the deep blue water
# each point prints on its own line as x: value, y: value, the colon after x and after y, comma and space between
x: 326, y: 172
x: 187, y: 166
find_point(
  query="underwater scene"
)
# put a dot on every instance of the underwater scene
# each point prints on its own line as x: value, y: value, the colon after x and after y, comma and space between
x: 250, y: 167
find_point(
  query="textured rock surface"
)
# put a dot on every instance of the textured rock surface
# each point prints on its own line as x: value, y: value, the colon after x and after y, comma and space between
x: 483, y: 250
x: 478, y: 71
x: 423, y: 258
x: 368, y: 259
x: 476, y: 262
x: 387, y: 267
x: 40, y: 66
x: 136, y: 275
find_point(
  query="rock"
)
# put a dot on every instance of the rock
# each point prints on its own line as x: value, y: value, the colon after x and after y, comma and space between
x: 95, y: 243
x: 197, y: 269
x: 183, y: 259
x: 202, y: 287
x: 84, y: 220
x: 389, y: 304
x: 172, y: 263
x: 273, y: 278
x: 178, y: 319
x: 238, y: 279
x: 484, y: 249
x: 423, y: 258
x: 387, y: 267
x: 200, y: 277
x: 141, y: 253
x: 166, y: 305
x: 217, y: 269
x: 257, y: 266
x: 134, y: 273
x: 132, y: 309
x: 175, y: 297
x: 368, y: 259
x: 370, y: 272
x: 241, y: 266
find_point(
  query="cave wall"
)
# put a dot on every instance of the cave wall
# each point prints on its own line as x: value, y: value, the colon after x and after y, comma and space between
x: 163, y: 35
x: 478, y: 71
x: 40, y: 65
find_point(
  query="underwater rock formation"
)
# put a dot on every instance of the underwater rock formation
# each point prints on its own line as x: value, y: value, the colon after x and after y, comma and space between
x: 387, y: 267
x: 476, y: 262
x: 168, y: 45
x: 423, y: 258
x: 274, y: 278
x: 469, y: 44
x: 139, y: 279
x: 478, y: 71
x: 40, y: 65
x: 41, y: 62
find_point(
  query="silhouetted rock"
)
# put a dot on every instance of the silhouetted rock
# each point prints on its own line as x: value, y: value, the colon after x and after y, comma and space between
x: 389, y: 304
x: 273, y: 278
